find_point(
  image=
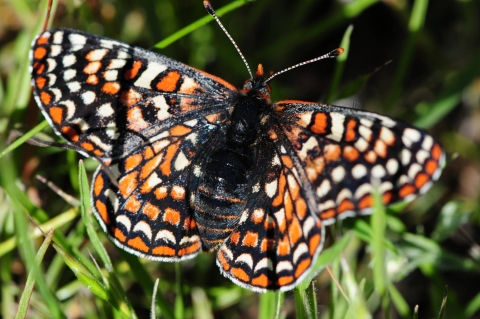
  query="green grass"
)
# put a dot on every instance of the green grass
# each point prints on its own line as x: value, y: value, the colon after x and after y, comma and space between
x: 371, y: 267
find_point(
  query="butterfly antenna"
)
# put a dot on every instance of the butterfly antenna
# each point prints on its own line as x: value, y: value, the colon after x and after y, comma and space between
x: 331, y: 54
x: 211, y: 11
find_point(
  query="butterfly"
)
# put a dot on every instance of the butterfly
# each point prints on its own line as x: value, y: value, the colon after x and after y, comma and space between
x: 190, y: 163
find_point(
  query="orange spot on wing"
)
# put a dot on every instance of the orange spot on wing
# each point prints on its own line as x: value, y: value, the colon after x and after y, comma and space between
x: 56, y: 113
x: 165, y: 166
x: 138, y: 244
x: 407, y: 190
x: 87, y: 146
x: 431, y: 167
x: 40, y: 82
x: 178, y: 193
x: 350, y: 153
x: 294, y: 231
x: 302, y: 266
x: 189, y: 250
x: 332, y: 152
x: 189, y: 223
x: 132, y: 73
x: 350, y: 133
x: 128, y: 184
x: 267, y: 244
x: 234, y: 237
x: 39, y: 67
x: 111, y: 88
x: 380, y: 148
x: 345, y: 205
x: 223, y: 261
x: 436, y: 152
x: 102, y: 210
x: 152, y: 211
x: 160, y: 193
x: 330, y: 213
x: 39, y: 53
x: 149, y: 153
x: 163, y: 251
x: 239, y: 273
x: 98, y: 185
x: 179, y: 130
x: 370, y: 157
x: 150, y: 166
x: 117, y: 233
x: 70, y: 133
x: 387, y: 198
x: 46, y: 98
x: 261, y: 281
x: 421, y: 180
x: 287, y: 161
x: 250, y: 239
x: 133, y: 205
x: 285, y: 280
x: 130, y: 97
x: 366, y: 202
x: 313, y: 244
x: 320, y: 124
x: 169, y: 82
x: 301, y: 208
x: 92, y: 79
x: 132, y: 162
x: 171, y: 216
x: 43, y: 39
x: 283, y: 246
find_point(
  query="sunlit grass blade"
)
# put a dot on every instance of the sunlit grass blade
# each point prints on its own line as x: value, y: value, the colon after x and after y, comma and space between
x: 400, y: 303
x: 267, y: 305
x: 378, y: 224
x: 56, y: 222
x: 29, y: 285
x: 200, y: 22
x: 23, y: 138
x: 444, y: 303
x: 179, y: 306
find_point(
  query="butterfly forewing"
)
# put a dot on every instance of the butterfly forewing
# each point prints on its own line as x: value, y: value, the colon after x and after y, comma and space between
x: 110, y: 98
x: 347, y: 154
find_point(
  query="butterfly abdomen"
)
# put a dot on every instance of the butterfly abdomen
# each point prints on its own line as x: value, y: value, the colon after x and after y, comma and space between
x: 221, y: 195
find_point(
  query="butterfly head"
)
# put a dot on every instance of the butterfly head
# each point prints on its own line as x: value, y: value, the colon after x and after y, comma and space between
x: 257, y: 86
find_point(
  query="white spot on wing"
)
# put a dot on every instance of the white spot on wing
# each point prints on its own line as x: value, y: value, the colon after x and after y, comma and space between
x: 271, y: 188
x: 160, y: 103
x: 166, y: 235
x: 246, y: 259
x: 301, y: 249
x: 337, y: 126
x: 116, y: 64
x: 68, y: 60
x: 88, y: 97
x: 105, y: 110
x: 338, y: 173
x: 111, y: 75
x: 324, y: 188
x: 125, y: 221
x: 181, y: 162
x: 145, y: 79
x: 283, y: 265
x: 144, y: 228
x: 359, y: 171
x: 58, y: 37
x: 69, y: 74
x: 55, y: 50
x: 74, y: 86
x: 264, y: 263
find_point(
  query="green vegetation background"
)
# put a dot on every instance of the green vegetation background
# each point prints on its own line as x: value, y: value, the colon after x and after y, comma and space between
x: 414, y: 60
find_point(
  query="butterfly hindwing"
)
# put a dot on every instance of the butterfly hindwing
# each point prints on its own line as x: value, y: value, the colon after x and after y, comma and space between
x: 348, y: 153
x: 277, y: 238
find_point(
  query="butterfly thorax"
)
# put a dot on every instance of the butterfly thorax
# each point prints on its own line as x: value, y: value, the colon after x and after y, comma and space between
x: 222, y: 189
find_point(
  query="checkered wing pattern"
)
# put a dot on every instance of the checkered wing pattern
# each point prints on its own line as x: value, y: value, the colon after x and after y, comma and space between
x: 145, y: 116
x: 278, y: 237
x: 346, y: 154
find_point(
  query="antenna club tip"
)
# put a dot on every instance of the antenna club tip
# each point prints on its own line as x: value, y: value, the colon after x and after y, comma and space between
x: 208, y: 6
x: 339, y: 51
